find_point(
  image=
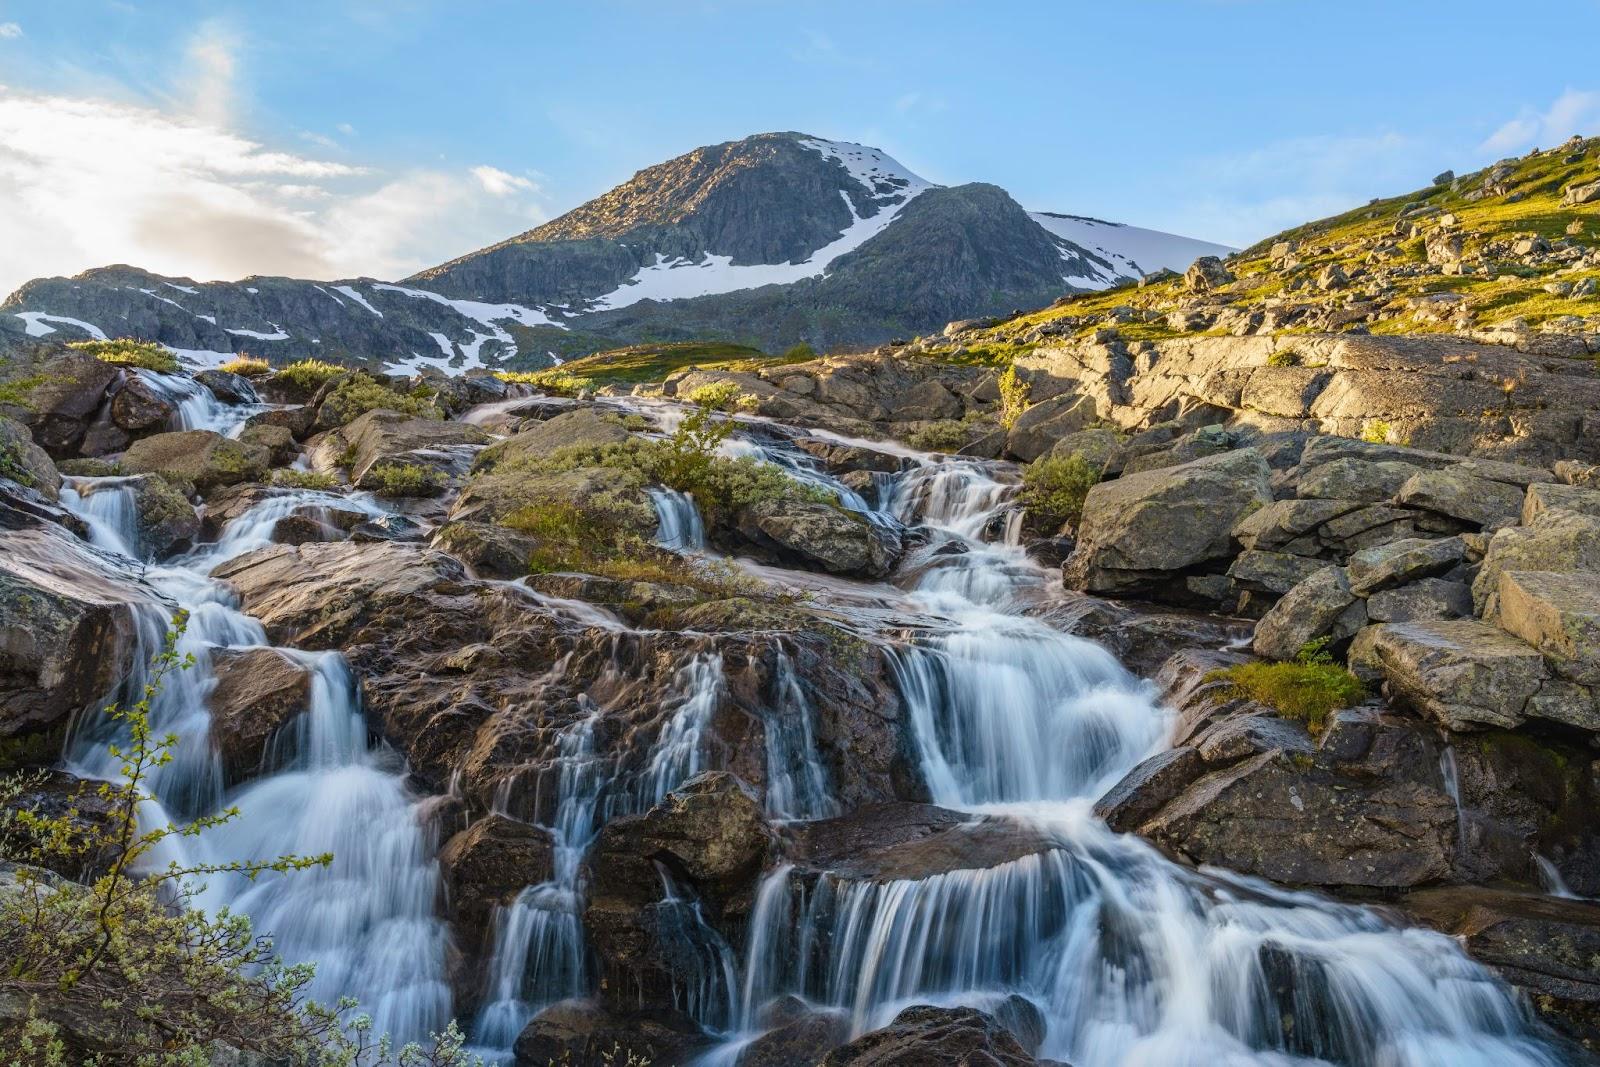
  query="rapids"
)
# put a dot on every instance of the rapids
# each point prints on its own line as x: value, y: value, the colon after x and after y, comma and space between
x: 1129, y: 958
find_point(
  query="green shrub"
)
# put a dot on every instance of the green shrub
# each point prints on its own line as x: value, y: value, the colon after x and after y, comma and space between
x: 247, y: 366
x: 397, y: 480
x: 1054, y: 489
x: 948, y: 435
x: 555, y: 380
x: 130, y: 352
x: 1013, y: 396
x: 1284, y: 358
x: 1307, y: 689
x: 721, y: 396
x: 308, y: 375
x: 289, y: 478
x: 360, y: 393
x: 799, y: 353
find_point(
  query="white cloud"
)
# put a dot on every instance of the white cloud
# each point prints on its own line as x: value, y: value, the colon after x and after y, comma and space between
x: 87, y: 182
x: 1574, y: 111
x: 210, y: 63
x: 9, y: 31
x: 498, y: 183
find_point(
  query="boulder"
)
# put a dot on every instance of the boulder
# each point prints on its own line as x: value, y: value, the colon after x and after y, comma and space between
x: 1399, y: 562
x: 277, y: 440
x: 227, y: 387
x: 1275, y: 572
x: 822, y: 536
x: 1585, y: 193
x: 583, y: 1033
x: 1039, y: 427
x: 1429, y: 598
x: 60, y: 393
x: 67, y: 636
x: 1451, y: 492
x: 380, y: 439
x: 491, y: 551
x: 200, y: 458
x: 1290, y: 525
x: 485, y: 866
x: 1322, y: 605
x: 899, y: 840
x: 258, y: 692
x: 1141, y: 528
x: 1462, y: 673
x: 584, y: 427
x: 140, y: 405
x: 798, y: 1039
x: 26, y: 463
x: 1100, y: 447
x: 1562, y: 541
x: 167, y: 522
x: 923, y: 1035
x: 1206, y: 274
x: 1558, y: 614
x: 1355, y: 479
x: 1554, y: 496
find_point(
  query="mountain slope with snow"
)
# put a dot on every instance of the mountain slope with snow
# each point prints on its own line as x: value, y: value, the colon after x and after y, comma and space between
x: 771, y: 240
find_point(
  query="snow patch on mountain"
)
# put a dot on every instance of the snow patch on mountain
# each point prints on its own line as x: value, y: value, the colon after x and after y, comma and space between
x: 278, y: 333
x: 879, y: 173
x: 1131, y: 250
x: 354, y: 294
x: 36, y: 324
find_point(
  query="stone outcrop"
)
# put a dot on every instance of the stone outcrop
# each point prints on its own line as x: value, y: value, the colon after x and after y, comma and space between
x: 259, y: 691
x: 925, y: 1035
x: 201, y: 459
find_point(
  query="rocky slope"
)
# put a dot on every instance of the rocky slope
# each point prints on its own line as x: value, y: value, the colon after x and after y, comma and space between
x: 770, y: 241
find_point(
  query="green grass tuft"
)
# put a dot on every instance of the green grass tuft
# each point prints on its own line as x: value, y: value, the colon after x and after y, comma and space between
x: 130, y: 352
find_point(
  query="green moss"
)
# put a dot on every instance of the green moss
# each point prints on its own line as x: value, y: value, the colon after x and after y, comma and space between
x: 130, y: 352
x: 15, y: 392
x: 288, y: 478
x: 396, y: 480
x: 309, y: 375
x: 1307, y: 689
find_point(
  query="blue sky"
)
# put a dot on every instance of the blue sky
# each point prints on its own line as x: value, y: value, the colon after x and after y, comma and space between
x: 220, y: 139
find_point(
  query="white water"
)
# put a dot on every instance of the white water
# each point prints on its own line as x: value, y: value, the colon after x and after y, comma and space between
x: 198, y: 408
x: 367, y: 919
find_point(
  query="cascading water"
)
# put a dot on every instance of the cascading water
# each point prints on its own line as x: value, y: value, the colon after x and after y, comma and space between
x: 679, y: 525
x: 1131, y: 959
x: 797, y: 782
x: 197, y: 407
x: 367, y: 919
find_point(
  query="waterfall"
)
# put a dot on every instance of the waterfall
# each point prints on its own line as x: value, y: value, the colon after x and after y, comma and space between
x: 198, y: 408
x: 797, y: 782
x: 704, y: 979
x: 679, y: 525
x: 367, y: 920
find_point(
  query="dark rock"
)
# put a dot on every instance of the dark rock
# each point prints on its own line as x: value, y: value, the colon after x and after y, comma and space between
x: 822, y: 536
x: 258, y: 692
x: 923, y: 1035
x: 583, y: 1033
x: 485, y: 866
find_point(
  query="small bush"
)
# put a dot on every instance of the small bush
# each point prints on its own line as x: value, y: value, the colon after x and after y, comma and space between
x: 1054, y: 489
x: 800, y: 352
x: 1307, y: 689
x: 1284, y: 359
x: 721, y: 396
x: 397, y: 480
x: 946, y: 436
x: 1013, y: 396
x: 308, y: 375
x: 360, y: 393
x: 130, y: 352
x: 288, y: 478
x: 555, y: 381
x: 247, y: 366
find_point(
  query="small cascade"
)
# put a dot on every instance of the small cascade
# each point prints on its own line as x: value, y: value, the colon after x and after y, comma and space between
x: 368, y: 919
x: 1550, y: 879
x: 679, y: 524
x: 679, y: 750
x: 797, y: 782
x: 198, y: 408
x: 960, y: 496
x: 702, y: 961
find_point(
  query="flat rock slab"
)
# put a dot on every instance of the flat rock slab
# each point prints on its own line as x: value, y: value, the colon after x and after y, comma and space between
x: 1463, y: 673
x: 1559, y: 614
x: 1399, y: 562
x: 1471, y: 499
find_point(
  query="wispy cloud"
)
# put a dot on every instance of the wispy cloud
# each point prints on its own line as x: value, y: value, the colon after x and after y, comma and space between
x: 1574, y: 111
x: 9, y: 31
x: 85, y: 182
x: 209, y: 68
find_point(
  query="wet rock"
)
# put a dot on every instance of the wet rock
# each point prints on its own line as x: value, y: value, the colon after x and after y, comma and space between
x: 139, y: 405
x: 923, y: 1035
x: 1148, y: 788
x: 277, y: 440
x: 1141, y: 528
x: 485, y: 866
x: 584, y: 1033
x: 1451, y: 492
x: 884, y: 842
x: 1400, y: 562
x: 1545, y: 946
x: 227, y: 387
x: 200, y: 458
x: 67, y: 635
x: 26, y: 463
x: 258, y: 692
x: 456, y: 394
x: 821, y: 536
x: 167, y: 522
x: 491, y: 551
x: 799, y: 1041
x: 297, y: 420
x: 1322, y: 605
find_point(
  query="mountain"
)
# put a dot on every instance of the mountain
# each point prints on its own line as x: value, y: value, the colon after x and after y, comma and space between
x: 776, y: 239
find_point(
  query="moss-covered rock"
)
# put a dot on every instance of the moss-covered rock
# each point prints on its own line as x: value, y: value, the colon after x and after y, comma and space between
x: 199, y: 458
x: 24, y: 462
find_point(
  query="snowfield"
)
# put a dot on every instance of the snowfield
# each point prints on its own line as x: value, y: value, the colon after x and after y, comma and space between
x: 1134, y: 251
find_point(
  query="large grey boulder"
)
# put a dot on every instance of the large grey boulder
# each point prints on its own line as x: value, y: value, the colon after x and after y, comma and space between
x: 1399, y: 562
x: 1464, y: 674
x: 258, y: 692
x: 1462, y: 496
x: 59, y: 393
x: 1558, y: 614
x: 1142, y: 528
x: 821, y: 536
x: 1320, y: 606
x: 1555, y: 496
x: 1430, y: 598
x: 382, y: 439
x: 26, y: 463
x: 1563, y: 541
x: 1355, y: 479
x: 203, y: 459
